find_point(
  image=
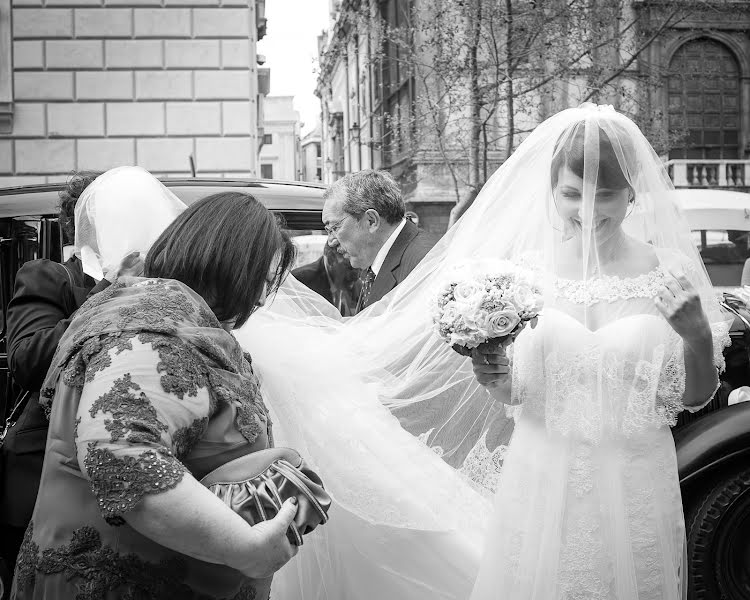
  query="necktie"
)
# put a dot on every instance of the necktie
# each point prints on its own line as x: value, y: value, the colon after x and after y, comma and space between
x: 367, y: 278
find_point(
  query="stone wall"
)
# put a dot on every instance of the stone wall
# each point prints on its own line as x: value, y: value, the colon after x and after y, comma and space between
x: 101, y: 83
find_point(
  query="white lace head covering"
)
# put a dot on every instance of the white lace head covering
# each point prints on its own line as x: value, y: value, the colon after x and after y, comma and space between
x: 122, y: 211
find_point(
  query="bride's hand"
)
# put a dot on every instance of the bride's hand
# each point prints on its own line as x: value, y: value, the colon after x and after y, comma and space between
x: 491, y: 367
x: 680, y: 304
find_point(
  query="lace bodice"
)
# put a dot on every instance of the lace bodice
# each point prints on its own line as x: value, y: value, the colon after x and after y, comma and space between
x: 609, y: 288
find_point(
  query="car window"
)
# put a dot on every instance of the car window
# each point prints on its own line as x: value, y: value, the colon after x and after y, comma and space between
x: 309, y: 244
x: 724, y: 253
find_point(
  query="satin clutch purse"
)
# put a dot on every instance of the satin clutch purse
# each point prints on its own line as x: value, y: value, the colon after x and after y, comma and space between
x: 257, y: 484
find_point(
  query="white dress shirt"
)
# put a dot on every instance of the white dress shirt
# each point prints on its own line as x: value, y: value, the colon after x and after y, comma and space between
x: 377, y: 264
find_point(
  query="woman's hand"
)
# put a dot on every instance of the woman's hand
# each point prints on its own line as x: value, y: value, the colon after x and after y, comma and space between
x: 680, y: 304
x: 491, y: 367
x: 272, y: 549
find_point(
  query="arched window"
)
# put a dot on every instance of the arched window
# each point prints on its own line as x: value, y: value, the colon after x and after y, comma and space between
x: 704, y: 106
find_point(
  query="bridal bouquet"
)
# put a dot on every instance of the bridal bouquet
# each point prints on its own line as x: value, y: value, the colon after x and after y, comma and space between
x: 486, y: 304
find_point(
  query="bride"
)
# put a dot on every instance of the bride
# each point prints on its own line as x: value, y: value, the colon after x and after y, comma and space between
x: 588, y: 499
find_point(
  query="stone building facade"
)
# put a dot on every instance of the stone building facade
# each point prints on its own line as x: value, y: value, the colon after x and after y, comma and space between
x: 279, y: 153
x: 691, y: 86
x: 311, y: 156
x: 170, y: 85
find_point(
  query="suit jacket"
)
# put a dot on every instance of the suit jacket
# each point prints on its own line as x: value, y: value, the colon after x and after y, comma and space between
x: 46, y: 295
x: 314, y: 276
x: 410, y: 247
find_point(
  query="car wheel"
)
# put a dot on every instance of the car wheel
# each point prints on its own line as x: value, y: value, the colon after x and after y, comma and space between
x: 718, y: 539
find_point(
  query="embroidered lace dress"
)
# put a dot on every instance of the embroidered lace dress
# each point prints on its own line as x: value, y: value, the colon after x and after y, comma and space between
x: 588, y: 503
x: 145, y: 387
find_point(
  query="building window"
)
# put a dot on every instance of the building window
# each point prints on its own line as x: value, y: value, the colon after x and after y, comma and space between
x: 319, y: 174
x: 267, y: 139
x: 266, y: 171
x: 704, y: 108
x: 317, y: 150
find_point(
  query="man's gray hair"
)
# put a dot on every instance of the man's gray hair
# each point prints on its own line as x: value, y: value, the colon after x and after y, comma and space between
x: 369, y: 189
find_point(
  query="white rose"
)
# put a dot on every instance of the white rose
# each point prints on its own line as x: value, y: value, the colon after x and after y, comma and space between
x: 449, y: 313
x: 468, y: 292
x: 501, y: 323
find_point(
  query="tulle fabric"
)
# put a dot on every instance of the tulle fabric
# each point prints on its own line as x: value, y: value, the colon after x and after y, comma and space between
x: 588, y: 502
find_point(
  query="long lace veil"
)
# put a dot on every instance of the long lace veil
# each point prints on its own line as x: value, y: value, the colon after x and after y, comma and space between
x: 327, y: 379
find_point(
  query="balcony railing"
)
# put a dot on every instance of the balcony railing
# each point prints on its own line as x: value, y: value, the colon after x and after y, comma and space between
x: 687, y: 173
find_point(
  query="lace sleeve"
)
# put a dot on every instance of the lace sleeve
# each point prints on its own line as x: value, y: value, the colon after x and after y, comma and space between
x: 142, y: 408
x: 672, y: 381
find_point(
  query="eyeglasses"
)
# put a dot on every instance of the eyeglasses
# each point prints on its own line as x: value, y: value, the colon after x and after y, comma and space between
x: 336, y: 227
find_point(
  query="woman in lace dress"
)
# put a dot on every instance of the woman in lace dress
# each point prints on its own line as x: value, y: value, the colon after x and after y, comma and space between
x: 588, y: 503
x: 147, y: 393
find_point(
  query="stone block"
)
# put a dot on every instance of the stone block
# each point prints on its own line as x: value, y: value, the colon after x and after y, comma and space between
x: 43, y: 85
x: 210, y: 85
x: 30, y: 3
x: 191, y: 53
x: 163, y: 85
x: 221, y: 22
x: 224, y: 154
x: 235, y: 53
x: 29, y: 119
x: 237, y: 3
x: 45, y: 156
x: 75, y: 119
x: 133, y: 2
x: 75, y: 54
x: 192, y: 2
x: 236, y: 118
x: 6, y: 156
x: 164, y: 154
x: 103, y: 22
x: 73, y: 3
x: 133, y: 54
x: 28, y: 55
x: 136, y: 118
x: 17, y: 181
x: 162, y: 22
x: 104, y: 153
x: 193, y: 118
x: 42, y: 23
x: 106, y: 85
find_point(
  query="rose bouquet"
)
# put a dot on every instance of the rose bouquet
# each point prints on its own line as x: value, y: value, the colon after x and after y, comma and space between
x: 486, y: 304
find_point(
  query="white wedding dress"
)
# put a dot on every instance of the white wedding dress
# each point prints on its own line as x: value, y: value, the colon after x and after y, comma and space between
x: 588, y: 503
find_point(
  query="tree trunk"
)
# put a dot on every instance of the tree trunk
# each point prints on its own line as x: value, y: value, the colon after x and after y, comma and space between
x: 509, y: 107
x: 474, y: 95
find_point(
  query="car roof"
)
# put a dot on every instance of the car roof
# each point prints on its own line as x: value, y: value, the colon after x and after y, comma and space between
x: 31, y: 200
x: 715, y: 209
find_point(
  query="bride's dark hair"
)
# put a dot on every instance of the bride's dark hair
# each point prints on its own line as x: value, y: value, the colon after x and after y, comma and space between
x: 223, y: 247
x: 570, y: 152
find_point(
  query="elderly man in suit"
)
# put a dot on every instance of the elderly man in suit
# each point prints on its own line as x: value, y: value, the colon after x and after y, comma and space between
x: 364, y: 217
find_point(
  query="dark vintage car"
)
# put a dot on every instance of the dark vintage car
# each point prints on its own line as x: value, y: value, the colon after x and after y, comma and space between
x: 713, y: 446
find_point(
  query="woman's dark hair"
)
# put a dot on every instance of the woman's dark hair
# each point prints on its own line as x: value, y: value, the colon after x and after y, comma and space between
x: 74, y: 187
x: 223, y: 247
x: 569, y: 152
